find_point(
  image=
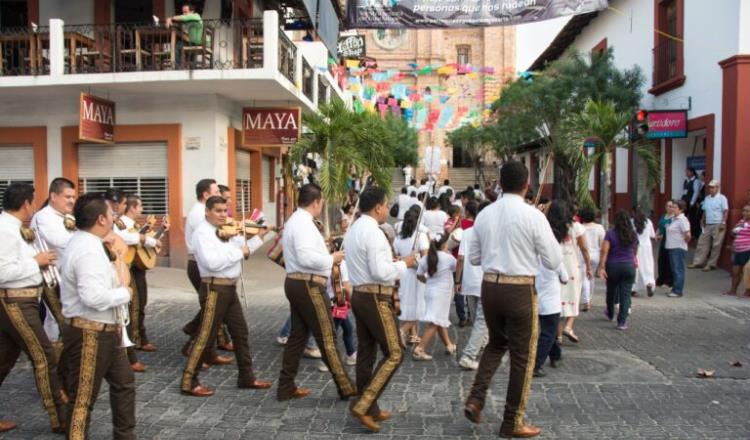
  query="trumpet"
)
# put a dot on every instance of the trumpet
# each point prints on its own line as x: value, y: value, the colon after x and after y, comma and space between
x: 50, y: 274
x: 122, y: 319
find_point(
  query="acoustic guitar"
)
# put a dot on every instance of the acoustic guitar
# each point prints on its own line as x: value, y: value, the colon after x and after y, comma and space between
x: 116, y: 248
x: 132, y: 250
x: 145, y: 258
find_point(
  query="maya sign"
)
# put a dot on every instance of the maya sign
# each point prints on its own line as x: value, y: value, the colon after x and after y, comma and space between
x: 268, y: 127
x: 96, y: 123
x: 666, y: 124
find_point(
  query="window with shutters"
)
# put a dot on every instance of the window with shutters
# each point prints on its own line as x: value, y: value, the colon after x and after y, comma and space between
x: 668, y: 52
x: 16, y: 166
x: 463, y: 54
x: 133, y: 168
x: 243, y: 181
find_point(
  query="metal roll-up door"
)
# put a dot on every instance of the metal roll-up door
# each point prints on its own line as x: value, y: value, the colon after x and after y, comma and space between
x: 139, y: 168
x: 17, y: 166
x: 243, y: 181
x: 269, y: 198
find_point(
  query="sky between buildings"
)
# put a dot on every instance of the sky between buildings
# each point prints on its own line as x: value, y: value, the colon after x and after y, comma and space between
x: 533, y: 38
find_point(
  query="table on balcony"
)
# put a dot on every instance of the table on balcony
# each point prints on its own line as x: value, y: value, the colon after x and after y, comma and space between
x: 21, y: 41
x: 75, y: 44
x: 152, y: 37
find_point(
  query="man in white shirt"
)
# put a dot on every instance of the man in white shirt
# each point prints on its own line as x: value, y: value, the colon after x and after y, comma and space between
x: 373, y: 273
x: 714, y: 223
x: 308, y: 266
x: 54, y: 225
x: 404, y: 202
x: 510, y: 237
x: 424, y: 188
x: 133, y: 210
x: 204, y: 189
x: 21, y: 328
x: 445, y: 187
x: 94, y: 300
x: 219, y: 260
x: 408, y: 170
x: 412, y: 188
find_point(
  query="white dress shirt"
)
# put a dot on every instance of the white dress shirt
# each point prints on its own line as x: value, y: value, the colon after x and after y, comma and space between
x: 368, y: 254
x: 435, y: 222
x: 132, y: 238
x: 218, y: 258
x: 305, y: 249
x: 443, y: 189
x: 471, y: 277
x: 49, y: 225
x: 548, y: 288
x: 423, y: 189
x: 510, y: 236
x: 195, y: 217
x: 404, y: 203
x: 410, y: 189
x: 90, y: 288
x: 18, y: 268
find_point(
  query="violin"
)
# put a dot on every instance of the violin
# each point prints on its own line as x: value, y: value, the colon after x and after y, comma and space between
x: 334, y: 244
x: 233, y: 228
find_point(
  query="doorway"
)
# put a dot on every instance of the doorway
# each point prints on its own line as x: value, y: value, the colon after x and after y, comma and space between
x: 134, y: 11
x: 13, y: 13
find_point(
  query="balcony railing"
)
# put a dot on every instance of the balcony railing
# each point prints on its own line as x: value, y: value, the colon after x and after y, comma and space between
x: 287, y: 56
x: 88, y: 48
x: 308, y: 78
x: 666, y: 61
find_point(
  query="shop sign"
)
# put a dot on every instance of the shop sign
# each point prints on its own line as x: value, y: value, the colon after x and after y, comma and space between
x: 270, y: 127
x: 352, y: 46
x: 96, y: 122
x: 667, y: 124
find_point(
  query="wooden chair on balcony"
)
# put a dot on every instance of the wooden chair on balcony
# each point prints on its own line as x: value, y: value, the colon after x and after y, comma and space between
x: 252, y: 49
x: 96, y: 53
x: 129, y: 49
x: 204, y: 50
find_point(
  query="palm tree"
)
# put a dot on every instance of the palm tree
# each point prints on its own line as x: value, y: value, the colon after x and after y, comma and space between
x: 601, y: 128
x: 346, y: 143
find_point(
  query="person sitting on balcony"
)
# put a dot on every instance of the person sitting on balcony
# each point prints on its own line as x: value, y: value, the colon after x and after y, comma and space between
x: 191, y: 24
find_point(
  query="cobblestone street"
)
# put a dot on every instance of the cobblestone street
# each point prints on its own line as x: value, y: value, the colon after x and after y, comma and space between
x: 641, y: 383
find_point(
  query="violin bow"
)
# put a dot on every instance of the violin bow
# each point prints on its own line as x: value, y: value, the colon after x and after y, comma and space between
x: 244, y: 242
x: 544, y: 178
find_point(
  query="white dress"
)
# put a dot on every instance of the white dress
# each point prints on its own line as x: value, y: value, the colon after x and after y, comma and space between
x: 435, y: 221
x: 571, y: 292
x: 411, y: 290
x: 645, y: 275
x: 438, y: 294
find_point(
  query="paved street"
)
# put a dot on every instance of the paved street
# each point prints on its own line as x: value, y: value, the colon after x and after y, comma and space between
x: 620, y: 385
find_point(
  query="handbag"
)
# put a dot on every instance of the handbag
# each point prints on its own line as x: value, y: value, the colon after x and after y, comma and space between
x: 340, y: 312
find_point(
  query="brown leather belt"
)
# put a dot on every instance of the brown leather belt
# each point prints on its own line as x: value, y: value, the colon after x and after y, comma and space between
x: 520, y: 280
x: 85, y: 324
x: 375, y: 288
x: 219, y: 281
x: 24, y: 292
x: 319, y: 279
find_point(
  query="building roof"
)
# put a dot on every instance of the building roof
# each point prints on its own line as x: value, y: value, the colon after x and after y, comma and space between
x: 563, y: 40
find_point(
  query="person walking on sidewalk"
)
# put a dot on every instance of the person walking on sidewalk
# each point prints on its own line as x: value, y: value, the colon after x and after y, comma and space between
x: 678, y: 237
x: 741, y: 257
x: 617, y: 265
x: 510, y: 237
x: 594, y: 233
x: 664, y: 274
x: 714, y: 223
x: 645, y: 274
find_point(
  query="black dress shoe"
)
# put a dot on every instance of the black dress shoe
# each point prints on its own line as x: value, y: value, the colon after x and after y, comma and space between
x: 538, y: 372
x: 553, y: 362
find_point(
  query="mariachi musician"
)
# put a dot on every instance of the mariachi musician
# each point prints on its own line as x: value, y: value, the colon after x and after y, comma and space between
x: 21, y: 278
x: 133, y: 210
x: 94, y: 294
x: 117, y: 202
x: 308, y: 266
x: 219, y: 250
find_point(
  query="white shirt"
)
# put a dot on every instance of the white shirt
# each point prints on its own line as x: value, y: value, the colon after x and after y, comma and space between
x: 443, y: 189
x: 714, y: 207
x: 130, y: 224
x: 18, y: 268
x: 218, y: 258
x: 344, y: 279
x: 368, y: 254
x: 195, y: 217
x: 548, y: 288
x: 676, y: 233
x: 404, y: 203
x: 304, y: 247
x: 594, y: 233
x: 89, y: 288
x: 49, y: 225
x: 510, y: 236
x: 410, y: 189
x: 435, y: 222
x: 442, y: 279
x: 471, y: 278
x: 423, y: 189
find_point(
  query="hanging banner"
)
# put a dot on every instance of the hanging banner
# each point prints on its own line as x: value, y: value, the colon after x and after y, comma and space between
x: 270, y: 127
x: 395, y: 14
x: 96, y: 121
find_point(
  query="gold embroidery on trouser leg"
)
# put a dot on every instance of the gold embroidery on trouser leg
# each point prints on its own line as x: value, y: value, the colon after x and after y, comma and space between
x: 371, y: 391
x: 135, y: 325
x: 86, y: 374
x: 202, y: 339
x: 329, y: 344
x: 530, y: 361
x: 54, y: 305
x: 38, y: 357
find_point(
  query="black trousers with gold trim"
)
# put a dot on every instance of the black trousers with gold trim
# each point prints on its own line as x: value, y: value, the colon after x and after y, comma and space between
x: 376, y: 327
x: 192, y: 327
x: 510, y: 312
x: 311, y: 312
x: 221, y: 305
x: 51, y: 298
x: 93, y: 356
x: 138, y: 307
x: 22, y: 330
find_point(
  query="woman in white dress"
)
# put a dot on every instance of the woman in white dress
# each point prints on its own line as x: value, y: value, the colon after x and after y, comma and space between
x: 573, y: 243
x: 434, y: 218
x: 436, y: 270
x: 645, y: 277
x: 594, y: 233
x: 410, y: 289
